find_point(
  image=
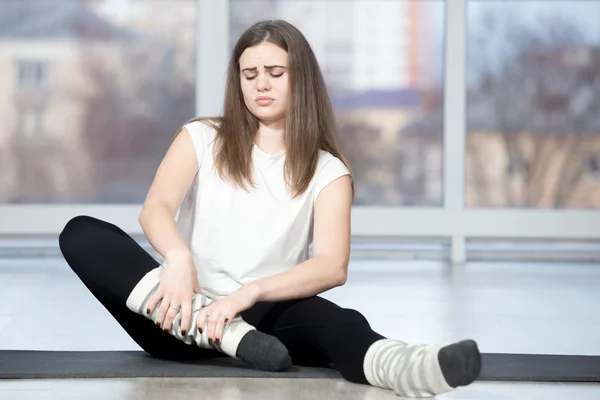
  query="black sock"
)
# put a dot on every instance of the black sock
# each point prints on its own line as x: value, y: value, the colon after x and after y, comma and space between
x: 263, y: 352
x: 460, y: 363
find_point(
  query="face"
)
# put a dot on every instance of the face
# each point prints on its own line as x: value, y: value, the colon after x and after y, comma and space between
x: 264, y: 81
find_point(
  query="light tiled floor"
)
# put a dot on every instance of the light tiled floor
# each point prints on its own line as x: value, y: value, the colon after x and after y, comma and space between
x: 531, y: 308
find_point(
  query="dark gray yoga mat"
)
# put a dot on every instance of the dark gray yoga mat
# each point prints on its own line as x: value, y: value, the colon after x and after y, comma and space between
x: 32, y: 364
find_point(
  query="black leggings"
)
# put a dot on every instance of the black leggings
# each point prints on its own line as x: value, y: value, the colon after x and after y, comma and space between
x: 315, y: 331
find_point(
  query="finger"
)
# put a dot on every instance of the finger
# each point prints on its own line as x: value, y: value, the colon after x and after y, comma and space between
x: 212, y: 327
x: 201, y: 321
x: 154, y: 300
x: 172, y: 311
x: 220, y: 327
x: 162, y: 310
x: 186, y: 316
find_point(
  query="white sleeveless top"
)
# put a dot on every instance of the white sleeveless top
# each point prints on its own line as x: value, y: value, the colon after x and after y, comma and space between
x: 237, y: 236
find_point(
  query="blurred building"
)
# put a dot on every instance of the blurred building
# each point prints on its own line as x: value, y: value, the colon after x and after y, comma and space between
x: 370, y: 123
x: 393, y: 42
x: 89, y: 104
x: 42, y: 73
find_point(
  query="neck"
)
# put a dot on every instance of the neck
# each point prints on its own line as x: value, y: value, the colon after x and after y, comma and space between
x: 270, y: 136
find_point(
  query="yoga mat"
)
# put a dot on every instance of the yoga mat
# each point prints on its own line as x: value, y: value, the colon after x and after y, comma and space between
x: 33, y: 364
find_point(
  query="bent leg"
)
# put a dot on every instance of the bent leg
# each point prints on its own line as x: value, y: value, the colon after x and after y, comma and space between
x: 110, y: 264
x: 123, y: 277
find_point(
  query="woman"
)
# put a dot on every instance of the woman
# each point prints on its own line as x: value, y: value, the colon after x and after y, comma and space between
x: 253, y: 189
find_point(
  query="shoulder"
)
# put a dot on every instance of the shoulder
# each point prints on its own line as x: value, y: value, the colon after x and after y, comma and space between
x: 329, y: 162
x: 201, y: 129
x: 202, y: 132
x: 329, y: 169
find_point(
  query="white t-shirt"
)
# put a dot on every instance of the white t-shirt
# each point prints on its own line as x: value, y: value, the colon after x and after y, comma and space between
x: 237, y: 236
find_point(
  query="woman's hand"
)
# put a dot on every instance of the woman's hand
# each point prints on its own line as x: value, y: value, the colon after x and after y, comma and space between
x: 177, y: 285
x: 219, y: 314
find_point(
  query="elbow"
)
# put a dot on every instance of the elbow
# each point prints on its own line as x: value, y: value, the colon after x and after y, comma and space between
x: 335, y: 270
x: 341, y: 273
x: 341, y: 280
x: 142, y: 215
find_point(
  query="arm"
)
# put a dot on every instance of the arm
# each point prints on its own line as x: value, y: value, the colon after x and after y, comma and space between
x: 157, y: 218
x: 328, y: 267
x: 173, y: 178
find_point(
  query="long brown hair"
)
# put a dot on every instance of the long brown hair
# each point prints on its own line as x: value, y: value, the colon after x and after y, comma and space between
x: 310, y: 121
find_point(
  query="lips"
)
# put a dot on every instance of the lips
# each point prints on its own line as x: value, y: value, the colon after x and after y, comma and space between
x: 264, y: 100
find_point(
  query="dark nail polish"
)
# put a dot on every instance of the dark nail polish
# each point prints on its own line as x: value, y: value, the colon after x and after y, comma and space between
x: 226, y: 320
x: 183, y: 333
x: 217, y: 342
x: 200, y: 330
x: 157, y: 325
x: 165, y: 330
x: 210, y: 341
x: 148, y: 311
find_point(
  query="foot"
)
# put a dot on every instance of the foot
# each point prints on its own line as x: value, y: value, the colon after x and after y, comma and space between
x: 263, y: 352
x: 460, y: 363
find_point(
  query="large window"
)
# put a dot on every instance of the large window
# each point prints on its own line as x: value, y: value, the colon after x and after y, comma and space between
x: 93, y: 92
x: 533, y: 124
x: 383, y: 63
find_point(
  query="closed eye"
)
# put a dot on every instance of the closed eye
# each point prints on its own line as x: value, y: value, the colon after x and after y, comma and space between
x: 249, y: 78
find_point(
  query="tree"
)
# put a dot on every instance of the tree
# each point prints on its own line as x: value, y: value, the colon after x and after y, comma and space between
x: 541, y: 101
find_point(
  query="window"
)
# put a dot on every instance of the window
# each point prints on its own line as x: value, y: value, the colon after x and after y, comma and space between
x: 532, y: 103
x: 32, y: 75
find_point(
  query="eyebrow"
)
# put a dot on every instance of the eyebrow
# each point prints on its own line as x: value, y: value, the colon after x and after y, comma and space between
x: 254, y: 69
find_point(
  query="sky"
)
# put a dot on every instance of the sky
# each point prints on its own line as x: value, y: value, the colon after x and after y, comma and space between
x: 585, y: 13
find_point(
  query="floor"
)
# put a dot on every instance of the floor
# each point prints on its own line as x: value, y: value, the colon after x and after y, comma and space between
x: 506, y: 307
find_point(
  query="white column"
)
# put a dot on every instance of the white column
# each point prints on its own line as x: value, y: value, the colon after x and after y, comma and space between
x: 455, y: 119
x: 212, y: 56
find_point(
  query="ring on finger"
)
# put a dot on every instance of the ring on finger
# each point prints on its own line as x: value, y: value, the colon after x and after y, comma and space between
x: 176, y: 308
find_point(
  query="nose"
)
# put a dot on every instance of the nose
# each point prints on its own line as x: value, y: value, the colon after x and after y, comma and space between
x: 262, y: 82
